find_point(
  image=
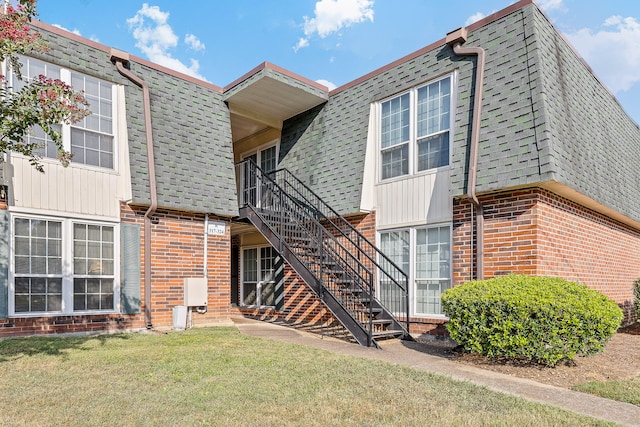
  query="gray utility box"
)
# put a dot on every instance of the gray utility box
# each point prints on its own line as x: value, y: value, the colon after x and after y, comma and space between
x: 196, y: 291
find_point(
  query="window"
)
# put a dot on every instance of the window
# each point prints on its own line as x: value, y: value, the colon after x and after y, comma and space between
x: 258, y: 276
x: 423, y: 253
x: 395, y: 245
x: 91, y: 140
x: 415, y: 125
x: 265, y: 157
x: 433, y: 268
x: 63, y: 266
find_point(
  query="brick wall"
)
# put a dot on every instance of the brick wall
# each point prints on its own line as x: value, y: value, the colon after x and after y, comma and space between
x: 537, y: 232
x: 301, y: 305
x: 177, y: 252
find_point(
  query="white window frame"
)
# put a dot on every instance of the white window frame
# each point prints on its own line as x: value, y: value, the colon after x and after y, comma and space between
x: 257, y: 151
x: 412, y: 273
x: 65, y: 76
x: 413, y: 139
x: 259, y: 283
x: 67, y: 265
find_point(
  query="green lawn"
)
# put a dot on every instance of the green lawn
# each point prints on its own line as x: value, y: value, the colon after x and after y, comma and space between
x: 622, y: 390
x: 217, y: 377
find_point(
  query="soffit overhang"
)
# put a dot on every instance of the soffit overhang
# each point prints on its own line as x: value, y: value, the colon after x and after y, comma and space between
x: 267, y: 96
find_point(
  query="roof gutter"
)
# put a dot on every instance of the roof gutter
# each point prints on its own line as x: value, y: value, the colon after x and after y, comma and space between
x: 455, y: 39
x: 120, y: 59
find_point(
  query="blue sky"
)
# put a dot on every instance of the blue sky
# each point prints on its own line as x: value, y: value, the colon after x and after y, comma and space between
x: 335, y: 41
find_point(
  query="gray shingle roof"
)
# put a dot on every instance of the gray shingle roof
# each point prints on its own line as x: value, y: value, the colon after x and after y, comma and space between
x: 191, y: 131
x: 545, y: 117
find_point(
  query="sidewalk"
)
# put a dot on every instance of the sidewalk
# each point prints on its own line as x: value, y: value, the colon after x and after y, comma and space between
x: 410, y: 354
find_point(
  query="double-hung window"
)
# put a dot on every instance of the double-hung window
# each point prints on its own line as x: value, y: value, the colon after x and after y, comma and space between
x: 91, y: 140
x: 415, y: 130
x: 424, y: 254
x: 63, y: 266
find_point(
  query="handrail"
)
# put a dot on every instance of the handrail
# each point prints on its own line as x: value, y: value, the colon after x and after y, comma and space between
x: 351, y: 266
x: 341, y: 244
x: 393, y: 273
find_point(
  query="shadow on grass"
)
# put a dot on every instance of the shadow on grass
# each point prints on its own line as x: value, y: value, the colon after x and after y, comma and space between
x: 15, y: 348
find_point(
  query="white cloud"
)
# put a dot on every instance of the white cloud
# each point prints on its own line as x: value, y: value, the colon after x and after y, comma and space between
x: 474, y: 18
x: 331, y: 86
x: 155, y: 37
x: 333, y: 15
x: 613, y: 52
x: 301, y: 43
x: 548, y: 5
x: 193, y: 42
x: 74, y: 31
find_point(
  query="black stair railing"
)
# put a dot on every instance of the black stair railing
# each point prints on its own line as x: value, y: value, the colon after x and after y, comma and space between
x: 338, y: 255
x: 393, y: 289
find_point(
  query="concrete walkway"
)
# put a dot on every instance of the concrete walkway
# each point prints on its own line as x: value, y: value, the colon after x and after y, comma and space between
x: 410, y: 354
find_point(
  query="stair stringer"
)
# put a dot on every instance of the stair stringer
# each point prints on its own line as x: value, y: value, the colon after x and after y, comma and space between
x: 359, y: 333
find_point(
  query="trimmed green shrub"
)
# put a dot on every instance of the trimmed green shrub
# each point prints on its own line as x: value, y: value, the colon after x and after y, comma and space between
x: 536, y: 319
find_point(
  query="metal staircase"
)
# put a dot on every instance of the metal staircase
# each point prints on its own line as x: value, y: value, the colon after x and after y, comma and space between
x: 337, y: 262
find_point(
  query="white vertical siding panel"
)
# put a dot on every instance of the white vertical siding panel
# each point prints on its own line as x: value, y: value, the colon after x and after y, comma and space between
x: 415, y: 200
x: 92, y: 192
x: 61, y: 201
x: 79, y: 187
x: 68, y: 193
x: 441, y: 199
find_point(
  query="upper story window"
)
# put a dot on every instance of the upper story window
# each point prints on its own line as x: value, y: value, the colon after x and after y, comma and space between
x: 91, y: 140
x: 415, y: 130
x: 266, y: 157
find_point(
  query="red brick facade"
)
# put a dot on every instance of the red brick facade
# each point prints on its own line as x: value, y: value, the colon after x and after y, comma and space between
x: 537, y: 232
x: 177, y: 252
x: 530, y: 231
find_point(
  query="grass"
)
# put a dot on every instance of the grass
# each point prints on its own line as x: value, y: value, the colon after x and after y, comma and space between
x: 216, y: 376
x: 622, y: 390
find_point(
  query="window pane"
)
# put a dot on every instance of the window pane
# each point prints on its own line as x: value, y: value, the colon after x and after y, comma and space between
x: 22, y: 303
x: 22, y: 246
x: 22, y: 227
x: 395, y: 121
x: 433, y: 152
x: 434, y: 102
x: 395, y: 245
x: 267, y: 272
x: 428, y: 296
x: 22, y: 285
x: 250, y: 265
x: 395, y: 161
x: 268, y: 294
x: 22, y: 265
x: 268, y: 159
x: 249, y: 294
x: 92, y: 294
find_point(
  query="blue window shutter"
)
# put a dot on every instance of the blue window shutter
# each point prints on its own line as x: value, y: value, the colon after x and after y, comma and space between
x: 4, y: 264
x: 130, y: 256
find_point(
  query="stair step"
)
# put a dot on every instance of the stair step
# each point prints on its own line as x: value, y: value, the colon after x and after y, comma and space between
x: 375, y: 310
x: 387, y: 334
x: 381, y: 321
x: 353, y: 290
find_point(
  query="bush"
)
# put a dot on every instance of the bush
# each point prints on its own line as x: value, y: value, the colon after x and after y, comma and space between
x: 537, y: 319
